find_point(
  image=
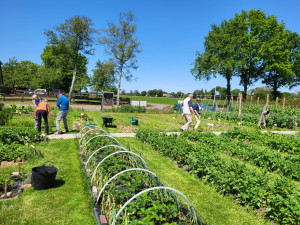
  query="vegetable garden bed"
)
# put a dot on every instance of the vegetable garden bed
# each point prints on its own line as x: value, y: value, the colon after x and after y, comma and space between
x: 276, y: 197
x: 124, y: 188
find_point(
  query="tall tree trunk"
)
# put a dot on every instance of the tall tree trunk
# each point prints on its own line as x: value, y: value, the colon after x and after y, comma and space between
x: 228, y: 78
x: 119, y: 86
x: 245, y: 87
x: 73, y: 82
x: 275, y: 89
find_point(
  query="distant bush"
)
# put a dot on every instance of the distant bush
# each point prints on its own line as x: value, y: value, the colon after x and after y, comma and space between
x: 131, y: 109
x: 5, y: 114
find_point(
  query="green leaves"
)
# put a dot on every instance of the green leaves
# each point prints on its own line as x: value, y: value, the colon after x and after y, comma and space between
x: 251, y: 46
x: 278, y: 197
x: 104, y: 76
x: 121, y: 42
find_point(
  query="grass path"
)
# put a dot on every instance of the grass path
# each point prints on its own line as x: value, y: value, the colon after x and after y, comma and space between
x: 212, y: 206
x: 68, y: 203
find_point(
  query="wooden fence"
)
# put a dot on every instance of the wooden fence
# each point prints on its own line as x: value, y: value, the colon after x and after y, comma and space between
x: 51, y: 97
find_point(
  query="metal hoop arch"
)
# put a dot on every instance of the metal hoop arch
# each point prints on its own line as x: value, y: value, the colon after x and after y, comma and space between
x: 150, y: 189
x: 106, y: 146
x: 88, y: 132
x: 114, y: 153
x: 102, y: 135
x: 87, y: 127
x: 124, y: 171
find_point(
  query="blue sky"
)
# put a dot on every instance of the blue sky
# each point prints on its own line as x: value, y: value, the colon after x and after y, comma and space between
x: 170, y: 32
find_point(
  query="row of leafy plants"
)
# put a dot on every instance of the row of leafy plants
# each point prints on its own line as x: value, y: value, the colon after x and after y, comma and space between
x: 155, y: 207
x: 251, y: 119
x: 257, y: 109
x: 15, y: 143
x: 279, y: 142
x: 272, y: 161
x: 277, y: 197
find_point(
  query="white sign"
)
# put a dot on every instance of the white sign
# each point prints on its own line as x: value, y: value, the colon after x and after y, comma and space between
x: 139, y: 103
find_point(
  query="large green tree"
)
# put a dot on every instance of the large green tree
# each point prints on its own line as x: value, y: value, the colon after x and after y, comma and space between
x: 47, y: 78
x: 19, y: 74
x: 103, y: 76
x: 276, y: 54
x: 251, y: 46
x: 78, y: 34
x: 294, y: 45
x: 249, y: 28
x: 59, y: 57
x: 121, y: 42
x: 219, y: 55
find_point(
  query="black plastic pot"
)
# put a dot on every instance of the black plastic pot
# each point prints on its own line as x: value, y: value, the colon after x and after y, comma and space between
x: 43, y: 177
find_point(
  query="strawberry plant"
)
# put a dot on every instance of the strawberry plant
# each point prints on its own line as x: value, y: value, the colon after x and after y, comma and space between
x: 279, y: 142
x: 249, y: 187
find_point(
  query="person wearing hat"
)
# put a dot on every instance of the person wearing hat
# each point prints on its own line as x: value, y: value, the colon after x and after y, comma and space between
x: 42, y: 110
x: 36, y: 101
x: 63, y: 104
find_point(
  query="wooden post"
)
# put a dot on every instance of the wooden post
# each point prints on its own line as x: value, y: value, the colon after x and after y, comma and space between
x: 267, y: 99
x: 257, y: 100
x: 251, y: 100
x: 5, y: 189
x: 283, y: 104
x: 19, y: 169
x: 276, y: 104
x: 240, y: 105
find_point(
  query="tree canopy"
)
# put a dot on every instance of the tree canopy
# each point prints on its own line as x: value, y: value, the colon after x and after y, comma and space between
x: 76, y: 36
x: 103, y: 76
x: 19, y: 74
x: 121, y: 42
x: 57, y: 59
x: 251, y: 46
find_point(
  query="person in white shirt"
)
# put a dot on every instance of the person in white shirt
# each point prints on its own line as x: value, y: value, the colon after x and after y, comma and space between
x: 187, y: 109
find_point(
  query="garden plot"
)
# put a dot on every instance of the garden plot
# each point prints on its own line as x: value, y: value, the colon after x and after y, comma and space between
x: 276, y: 197
x: 16, y: 146
x: 124, y: 188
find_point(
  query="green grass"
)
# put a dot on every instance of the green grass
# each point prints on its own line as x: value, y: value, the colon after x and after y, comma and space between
x: 69, y: 203
x: 213, y: 207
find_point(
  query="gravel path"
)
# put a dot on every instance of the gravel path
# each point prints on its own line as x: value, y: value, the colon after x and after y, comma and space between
x: 131, y: 135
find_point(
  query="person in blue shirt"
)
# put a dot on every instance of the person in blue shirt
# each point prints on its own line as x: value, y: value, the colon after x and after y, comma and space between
x: 63, y: 104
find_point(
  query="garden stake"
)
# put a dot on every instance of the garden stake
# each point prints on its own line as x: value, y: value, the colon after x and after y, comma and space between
x: 5, y: 189
x: 19, y: 169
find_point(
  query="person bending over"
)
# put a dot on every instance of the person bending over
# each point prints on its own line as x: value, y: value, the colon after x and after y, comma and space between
x: 36, y: 101
x: 42, y: 110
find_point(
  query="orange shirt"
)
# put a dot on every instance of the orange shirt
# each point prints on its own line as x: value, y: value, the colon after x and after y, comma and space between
x: 43, y: 106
